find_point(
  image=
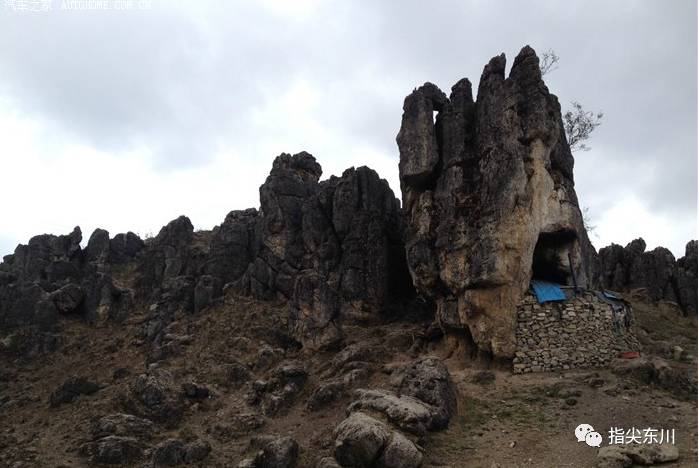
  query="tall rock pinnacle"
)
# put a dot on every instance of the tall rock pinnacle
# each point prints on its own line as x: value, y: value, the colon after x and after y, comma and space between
x: 490, y: 199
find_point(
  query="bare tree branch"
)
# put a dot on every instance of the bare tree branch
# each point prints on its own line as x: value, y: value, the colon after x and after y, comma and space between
x: 548, y: 62
x: 579, y: 125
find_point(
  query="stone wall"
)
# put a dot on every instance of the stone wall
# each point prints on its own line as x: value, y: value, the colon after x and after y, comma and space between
x: 580, y: 332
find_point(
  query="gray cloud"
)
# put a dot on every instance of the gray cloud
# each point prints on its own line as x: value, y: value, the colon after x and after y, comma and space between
x: 186, y: 80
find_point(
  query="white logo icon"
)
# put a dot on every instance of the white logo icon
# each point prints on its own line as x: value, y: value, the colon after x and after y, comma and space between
x: 582, y: 430
x: 593, y: 439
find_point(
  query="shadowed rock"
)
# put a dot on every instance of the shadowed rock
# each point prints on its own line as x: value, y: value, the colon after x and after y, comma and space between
x: 656, y: 271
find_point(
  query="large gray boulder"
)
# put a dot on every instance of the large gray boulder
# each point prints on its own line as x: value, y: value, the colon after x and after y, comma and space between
x: 363, y: 441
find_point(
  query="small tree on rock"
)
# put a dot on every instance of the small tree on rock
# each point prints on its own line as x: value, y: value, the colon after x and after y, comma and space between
x: 577, y: 122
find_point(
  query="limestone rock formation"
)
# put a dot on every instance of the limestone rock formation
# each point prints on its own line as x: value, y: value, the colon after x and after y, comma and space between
x: 53, y: 274
x: 656, y: 271
x: 333, y: 249
x: 490, y: 200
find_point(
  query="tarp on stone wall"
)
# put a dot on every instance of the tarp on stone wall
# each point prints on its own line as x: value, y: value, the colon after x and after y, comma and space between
x: 547, y: 292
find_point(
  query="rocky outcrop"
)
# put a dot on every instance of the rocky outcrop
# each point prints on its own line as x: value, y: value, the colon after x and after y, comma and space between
x: 53, y: 275
x: 333, y: 249
x: 490, y: 199
x: 656, y: 271
x: 372, y: 434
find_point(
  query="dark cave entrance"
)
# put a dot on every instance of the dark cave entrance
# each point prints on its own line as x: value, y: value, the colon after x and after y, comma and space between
x: 552, y: 254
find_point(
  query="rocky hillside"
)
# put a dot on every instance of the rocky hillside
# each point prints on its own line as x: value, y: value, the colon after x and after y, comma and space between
x: 334, y: 326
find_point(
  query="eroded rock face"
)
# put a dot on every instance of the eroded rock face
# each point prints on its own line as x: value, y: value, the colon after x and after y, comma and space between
x: 333, y: 248
x: 490, y: 199
x: 52, y: 275
x: 656, y: 271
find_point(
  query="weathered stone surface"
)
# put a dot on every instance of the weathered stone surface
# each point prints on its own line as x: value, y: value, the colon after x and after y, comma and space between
x: 114, y: 450
x: 621, y: 456
x: 657, y: 372
x: 488, y: 191
x: 121, y: 424
x: 97, y: 249
x: 71, y: 389
x: 124, y: 247
x: 172, y: 452
x: 155, y: 396
x: 276, y: 394
x: 326, y: 247
x: 408, y: 413
x: 327, y: 462
x: 281, y: 452
x: 232, y: 245
x: 68, y: 298
x: 52, y: 274
x: 656, y: 271
x: 325, y: 394
x: 400, y: 453
x: 167, y: 256
x: 359, y: 440
x: 208, y: 288
x: 428, y: 379
x: 27, y: 277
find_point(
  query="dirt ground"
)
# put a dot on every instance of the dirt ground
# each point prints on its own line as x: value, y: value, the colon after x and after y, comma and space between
x: 503, y: 420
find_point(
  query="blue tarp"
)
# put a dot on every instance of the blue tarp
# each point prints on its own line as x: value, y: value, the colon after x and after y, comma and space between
x: 610, y: 295
x: 547, y: 292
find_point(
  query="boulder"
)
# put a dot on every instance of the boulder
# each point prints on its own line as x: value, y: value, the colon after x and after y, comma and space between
x: 359, y: 440
x: 155, y: 396
x: 325, y: 394
x: 406, y: 412
x: 281, y: 452
x: 428, y: 380
x: 68, y: 298
x: 172, y: 452
x: 71, y: 389
x: 207, y: 289
x: 123, y: 425
x: 327, y: 462
x: 400, y: 453
x: 114, y: 450
x: 278, y: 393
x: 622, y: 456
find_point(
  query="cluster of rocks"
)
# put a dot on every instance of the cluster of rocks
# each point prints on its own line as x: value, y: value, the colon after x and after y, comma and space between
x: 332, y: 249
x: 124, y: 439
x: 386, y: 429
x: 53, y: 276
x: 657, y: 271
x: 583, y: 331
x: 483, y: 184
x: 152, y: 403
x: 278, y: 392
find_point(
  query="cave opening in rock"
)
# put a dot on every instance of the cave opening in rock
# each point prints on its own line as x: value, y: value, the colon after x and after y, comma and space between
x: 551, y: 261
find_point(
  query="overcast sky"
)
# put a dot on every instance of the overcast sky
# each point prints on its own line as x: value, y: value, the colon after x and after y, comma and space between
x: 126, y: 119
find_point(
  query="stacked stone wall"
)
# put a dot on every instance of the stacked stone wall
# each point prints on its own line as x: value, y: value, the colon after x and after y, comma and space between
x: 583, y: 331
